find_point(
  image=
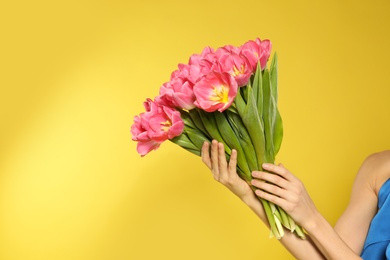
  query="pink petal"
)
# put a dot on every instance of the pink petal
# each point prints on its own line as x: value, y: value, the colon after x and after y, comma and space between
x: 144, y: 148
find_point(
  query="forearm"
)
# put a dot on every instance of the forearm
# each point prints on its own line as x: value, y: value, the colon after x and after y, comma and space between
x: 299, y: 248
x: 328, y: 241
x: 322, y: 241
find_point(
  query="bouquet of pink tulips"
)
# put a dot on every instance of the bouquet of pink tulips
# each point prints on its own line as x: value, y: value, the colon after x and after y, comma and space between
x: 229, y: 95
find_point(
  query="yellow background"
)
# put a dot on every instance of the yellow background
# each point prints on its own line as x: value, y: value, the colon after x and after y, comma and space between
x: 74, y: 73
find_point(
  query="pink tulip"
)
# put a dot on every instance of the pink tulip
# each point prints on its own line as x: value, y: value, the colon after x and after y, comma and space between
x: 227, y: 49
x: 154, y: 126
x: 193, y: 73
x: 165, y: 97
x: 196, y: 58
x: 238, y: 66
x: 183, y: 95
x: 202, y: 64
x: 257, y: 51
x: 207, y: 58
x: 177, y: 93
x: 215, y: 91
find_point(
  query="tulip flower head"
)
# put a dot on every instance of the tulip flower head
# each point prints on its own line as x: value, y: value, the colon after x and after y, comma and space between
x: 238, y: 66
x: 154, y: 126
x: 257, y: 51
x: 215, y: 91
x: 177, y: 93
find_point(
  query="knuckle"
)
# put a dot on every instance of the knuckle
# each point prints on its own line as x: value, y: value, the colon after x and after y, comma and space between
x: 284, y: 171
x: 290, y: 207
x: 230, y: 182
x: 224, y: 182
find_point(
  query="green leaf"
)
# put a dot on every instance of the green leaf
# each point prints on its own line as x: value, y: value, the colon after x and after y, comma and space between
x: 278, y: 132
x: 258, y: 88
x: 240, y: 103
x: 184, y: 142
x: 253, y: 123
x: 232, y: 141
x: 197, y: 137
x: 242, y: 134
x: 196, y: 152
x: 185, y: 116
x: 209, y: 123
x: 194, y: 114
x: 277, y: 123
x: 232, y: 108
x: 274, y: 77
x: 244, y: 92
x: 268, y: 115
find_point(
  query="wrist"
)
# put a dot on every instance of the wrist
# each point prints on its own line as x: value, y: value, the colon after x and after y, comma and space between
x: 315, y: 224
x: 253, y: 202
x: 249, y: 199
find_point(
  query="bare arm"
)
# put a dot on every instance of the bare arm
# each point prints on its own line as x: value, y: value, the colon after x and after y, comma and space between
x: 374, y: 171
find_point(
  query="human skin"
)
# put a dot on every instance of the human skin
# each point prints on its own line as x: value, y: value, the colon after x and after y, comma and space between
x: 280, y: 186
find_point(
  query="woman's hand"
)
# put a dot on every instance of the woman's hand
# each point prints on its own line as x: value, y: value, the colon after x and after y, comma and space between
x: 223, y: 171
x: 282, y: 188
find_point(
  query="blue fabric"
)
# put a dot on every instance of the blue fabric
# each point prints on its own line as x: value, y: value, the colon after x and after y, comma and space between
x: 376, y: 246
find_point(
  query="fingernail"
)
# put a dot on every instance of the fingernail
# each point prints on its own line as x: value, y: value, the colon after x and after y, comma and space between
x: 266, y: 165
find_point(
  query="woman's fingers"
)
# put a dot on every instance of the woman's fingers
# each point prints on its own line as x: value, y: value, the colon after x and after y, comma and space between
x: 273, y: 188
x: 277, y: 169
x: 221, y: 156
x: 271, y: 197
x: 276, y: 185
x: 214, y: 155
x: 268, y: 187
x: 215, y: 158
x: 224, y: 171
x: 270, y: 178
x: 282, y: 188
x: 206, y: 154
x: 233, y: 162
